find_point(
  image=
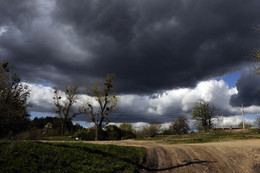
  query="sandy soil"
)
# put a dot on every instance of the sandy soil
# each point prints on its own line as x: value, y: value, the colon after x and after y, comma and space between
x: 236, y: 156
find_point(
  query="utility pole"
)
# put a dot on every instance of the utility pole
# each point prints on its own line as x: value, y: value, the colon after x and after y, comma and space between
x: 242, y: 110
x: 222, y: 122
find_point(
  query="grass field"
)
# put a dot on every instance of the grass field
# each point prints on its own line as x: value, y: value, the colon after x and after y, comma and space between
x: 32, y: 156
x: 212, y: 136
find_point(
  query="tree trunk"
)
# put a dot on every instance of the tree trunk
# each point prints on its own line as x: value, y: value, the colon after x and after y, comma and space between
x: 97, y: 133
x: 62, y: 129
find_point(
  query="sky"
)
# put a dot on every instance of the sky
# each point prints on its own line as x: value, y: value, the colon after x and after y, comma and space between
x: 165, y: 54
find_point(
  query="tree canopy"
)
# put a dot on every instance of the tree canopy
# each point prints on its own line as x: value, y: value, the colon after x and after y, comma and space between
x: 64, y: 103
x: 179, y: 126
x: 203, y: 113
x: 106, y: 102
x: 13, y: 102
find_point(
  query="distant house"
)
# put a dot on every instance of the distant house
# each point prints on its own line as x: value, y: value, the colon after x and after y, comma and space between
x: 229, y: 128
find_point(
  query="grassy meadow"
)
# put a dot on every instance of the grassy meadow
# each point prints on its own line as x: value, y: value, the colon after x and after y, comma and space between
x: 212, y: 136
x: 33, y: 156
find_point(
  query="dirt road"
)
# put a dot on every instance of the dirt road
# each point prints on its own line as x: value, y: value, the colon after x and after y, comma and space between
x: 237, y: 156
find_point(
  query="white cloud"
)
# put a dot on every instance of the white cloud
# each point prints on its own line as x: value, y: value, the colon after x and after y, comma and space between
x: 233, y: 121
x: 182, y: 100
x: 3, y: 29
x: 41, y: 97
x: 139, y: 125
x: 166, y: 107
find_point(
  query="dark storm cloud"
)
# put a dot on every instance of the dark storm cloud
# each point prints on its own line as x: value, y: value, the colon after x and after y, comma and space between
x: 248, y: 87
x: 150, y: 45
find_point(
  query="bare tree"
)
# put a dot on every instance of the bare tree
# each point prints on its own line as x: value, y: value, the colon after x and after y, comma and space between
x: 64, y: 103
x: 106, y: 101
x: 203, y: 113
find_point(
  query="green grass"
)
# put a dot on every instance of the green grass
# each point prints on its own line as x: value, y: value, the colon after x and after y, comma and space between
x: 32, y: 156
x: 213, y: 136
x: 59, y: 138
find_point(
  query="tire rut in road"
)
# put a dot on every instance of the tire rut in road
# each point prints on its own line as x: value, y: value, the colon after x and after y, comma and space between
x: 165, y: 158
x: 158, y: 159
x: 236, y: 156
x: 171, y: 159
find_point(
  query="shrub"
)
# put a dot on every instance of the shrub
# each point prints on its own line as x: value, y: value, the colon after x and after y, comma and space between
x: 152, y: 130
x: 31, y: 134
x: 180, y: 126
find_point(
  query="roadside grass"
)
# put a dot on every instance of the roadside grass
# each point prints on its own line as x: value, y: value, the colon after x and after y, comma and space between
x: 59, y: 138
x: 212, y: 136
x: 34, y: 156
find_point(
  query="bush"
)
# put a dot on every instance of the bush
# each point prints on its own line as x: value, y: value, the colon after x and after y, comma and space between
x: 128, y: 135
x: 87, y: 134
x: 112, y: 132
x: 152, y: 130
x: 31, y: 134
x: 82, y: 134
x: 127, y: 131
x: 180, y: 126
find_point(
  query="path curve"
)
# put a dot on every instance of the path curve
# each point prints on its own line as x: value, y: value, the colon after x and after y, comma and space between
x: 236, y: 156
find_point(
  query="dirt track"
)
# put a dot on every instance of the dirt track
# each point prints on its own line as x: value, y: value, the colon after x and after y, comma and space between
x: 238, y: 156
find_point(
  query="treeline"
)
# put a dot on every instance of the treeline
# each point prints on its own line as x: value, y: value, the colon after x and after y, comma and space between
x: 44, y: 127
x: 14, y: 95
x: 38, y: 128
x: 15, y: 122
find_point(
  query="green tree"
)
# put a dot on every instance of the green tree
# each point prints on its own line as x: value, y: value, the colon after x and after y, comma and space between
x: 112, y: 132
x: 126, y: 127
x: 203, y: 113
x: 106, y: 101
x: 127, y: 130
x: 151, y: 130
x: 179, y: 126
x: 64, y: 103
x: 14, y: 95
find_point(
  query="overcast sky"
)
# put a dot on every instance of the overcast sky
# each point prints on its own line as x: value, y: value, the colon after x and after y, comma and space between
x: 166, y: 54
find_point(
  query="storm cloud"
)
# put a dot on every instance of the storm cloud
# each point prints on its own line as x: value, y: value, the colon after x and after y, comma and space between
x: 248, y: 86
x: 150, y: 45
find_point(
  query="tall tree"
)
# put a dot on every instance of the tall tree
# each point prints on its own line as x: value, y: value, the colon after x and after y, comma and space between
x: 203, y: 113
x: 13, y: 102
x: 106, y: 102
x: 63, y: 104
